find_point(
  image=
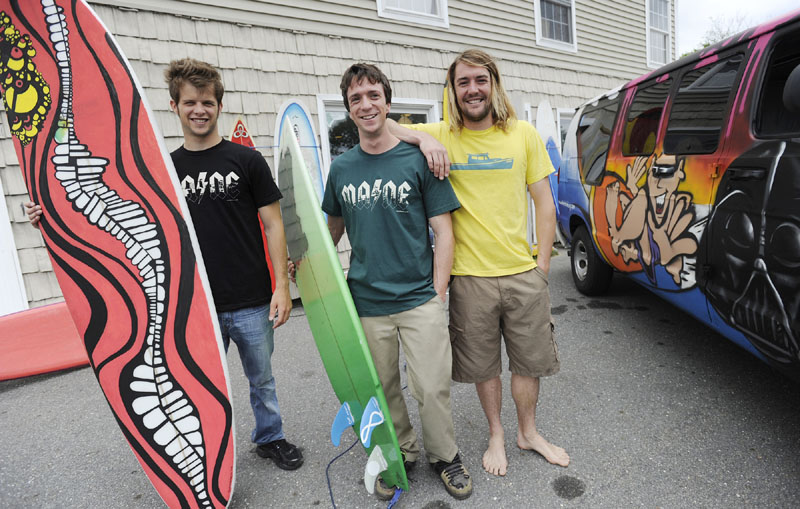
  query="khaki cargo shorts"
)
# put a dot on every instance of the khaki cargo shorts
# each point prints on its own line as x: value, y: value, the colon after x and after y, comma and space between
x: 516, y: 307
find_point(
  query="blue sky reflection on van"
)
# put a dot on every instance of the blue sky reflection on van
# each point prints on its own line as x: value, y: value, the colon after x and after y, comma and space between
x: 687, y: 180
x: 484, y: 162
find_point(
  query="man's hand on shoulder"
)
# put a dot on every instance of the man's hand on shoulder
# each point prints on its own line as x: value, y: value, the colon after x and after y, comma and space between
x: 34, y: 213
x: 436, y: 154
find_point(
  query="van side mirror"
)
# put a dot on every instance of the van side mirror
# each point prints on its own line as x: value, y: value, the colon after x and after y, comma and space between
x: 791, y: 91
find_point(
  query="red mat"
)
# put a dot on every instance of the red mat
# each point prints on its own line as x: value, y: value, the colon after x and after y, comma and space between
x: 39, y: 340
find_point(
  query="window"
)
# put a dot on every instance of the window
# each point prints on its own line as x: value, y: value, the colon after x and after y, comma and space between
x: 644, y: 116
x: 697, y: 115
x: 658, y: 39
x: 594, y: 135
x: 339, y: 134
x: 555, y: 24
x: 425, y: 12
x: 564, y: 118
x: 772, y: 118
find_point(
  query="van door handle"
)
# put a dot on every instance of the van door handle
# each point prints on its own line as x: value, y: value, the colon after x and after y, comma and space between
x: 747, y: 173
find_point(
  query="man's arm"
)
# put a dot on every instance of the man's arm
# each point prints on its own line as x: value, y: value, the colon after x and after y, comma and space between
x: 545, y: 220
x: 444, y: 242
x: 434, y: 152
x: 281, y: 304
x: 336, y: 227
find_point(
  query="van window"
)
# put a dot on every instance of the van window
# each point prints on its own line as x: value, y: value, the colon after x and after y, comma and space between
x: 594, y: 134
x: 698, y: 112
x: 641, y: 127
x: 772, y: 117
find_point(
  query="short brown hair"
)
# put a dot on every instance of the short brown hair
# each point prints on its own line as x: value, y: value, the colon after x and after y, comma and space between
x: 357, y: 72
x: 198, y: 74
x: 502, y: 110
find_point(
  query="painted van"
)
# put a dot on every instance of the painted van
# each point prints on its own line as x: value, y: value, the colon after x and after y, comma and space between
x: 688, y: 181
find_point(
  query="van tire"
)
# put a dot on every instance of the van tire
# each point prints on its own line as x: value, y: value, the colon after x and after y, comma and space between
x: 590, y: 273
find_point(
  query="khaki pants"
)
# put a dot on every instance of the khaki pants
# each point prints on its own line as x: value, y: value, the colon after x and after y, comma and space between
x: 426, y: 344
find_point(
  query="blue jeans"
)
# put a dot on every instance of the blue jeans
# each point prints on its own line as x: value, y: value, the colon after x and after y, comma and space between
x: 251, y: 330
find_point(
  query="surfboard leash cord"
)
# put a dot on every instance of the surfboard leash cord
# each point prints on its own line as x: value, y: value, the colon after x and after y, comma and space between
x: 327, y: 470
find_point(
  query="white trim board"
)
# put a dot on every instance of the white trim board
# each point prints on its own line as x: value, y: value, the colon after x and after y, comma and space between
x: 13, y: 297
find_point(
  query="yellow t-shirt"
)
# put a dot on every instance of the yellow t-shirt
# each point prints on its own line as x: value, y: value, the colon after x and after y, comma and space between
x: 490, y: 171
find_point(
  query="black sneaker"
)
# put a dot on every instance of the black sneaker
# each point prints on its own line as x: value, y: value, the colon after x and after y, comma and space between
x: 455, y: 477
x: 284, y: 454
x: 386, y: 492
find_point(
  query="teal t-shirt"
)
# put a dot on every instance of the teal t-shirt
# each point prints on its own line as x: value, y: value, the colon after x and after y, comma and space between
x: 385, y: 201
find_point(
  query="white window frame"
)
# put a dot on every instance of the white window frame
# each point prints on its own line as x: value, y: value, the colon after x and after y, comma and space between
x: 442, y: 20
x: 531, y: 234
x: 13, y: 296
x: 333, y: 102
x: 650, y: 63
x: 551, y: 43
x: 559, y: 111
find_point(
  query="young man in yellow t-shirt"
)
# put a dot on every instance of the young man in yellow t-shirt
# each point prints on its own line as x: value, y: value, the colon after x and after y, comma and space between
x: 497, y: 288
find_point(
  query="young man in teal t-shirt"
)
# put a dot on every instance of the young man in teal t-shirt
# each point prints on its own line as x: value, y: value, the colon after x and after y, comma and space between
x: 382, y: 193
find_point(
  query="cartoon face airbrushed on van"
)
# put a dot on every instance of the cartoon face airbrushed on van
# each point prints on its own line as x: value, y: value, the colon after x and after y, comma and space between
x: 688, y: 180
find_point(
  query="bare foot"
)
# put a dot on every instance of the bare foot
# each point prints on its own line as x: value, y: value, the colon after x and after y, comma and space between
x: 552, y: 453
x: 494, y: 459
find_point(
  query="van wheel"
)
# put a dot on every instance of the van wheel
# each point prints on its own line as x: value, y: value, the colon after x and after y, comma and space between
x: 591, y: 274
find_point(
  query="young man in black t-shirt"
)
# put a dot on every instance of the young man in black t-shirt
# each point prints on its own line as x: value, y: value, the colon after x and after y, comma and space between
x: 227, y: 188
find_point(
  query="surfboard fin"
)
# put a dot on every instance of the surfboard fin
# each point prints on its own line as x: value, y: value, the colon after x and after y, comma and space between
x: 370, y: 419
x: 344, y: 419
x: 375, y: 465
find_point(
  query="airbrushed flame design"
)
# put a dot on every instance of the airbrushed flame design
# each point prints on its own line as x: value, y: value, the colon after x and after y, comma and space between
x: 160, y: 405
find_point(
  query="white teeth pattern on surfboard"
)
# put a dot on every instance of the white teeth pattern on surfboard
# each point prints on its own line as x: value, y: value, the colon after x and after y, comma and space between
x: 162, y: 407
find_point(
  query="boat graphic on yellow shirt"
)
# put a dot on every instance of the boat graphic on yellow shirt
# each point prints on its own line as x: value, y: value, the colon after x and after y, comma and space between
x: 484, y: 162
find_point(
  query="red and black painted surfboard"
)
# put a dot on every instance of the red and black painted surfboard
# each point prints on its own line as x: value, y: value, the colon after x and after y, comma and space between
x: 121, y: 242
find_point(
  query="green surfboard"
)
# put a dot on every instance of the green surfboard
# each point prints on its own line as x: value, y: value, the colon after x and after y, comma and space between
x: 329, y: 306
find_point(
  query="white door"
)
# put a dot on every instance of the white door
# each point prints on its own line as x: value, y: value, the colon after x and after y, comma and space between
x: 12, y: 289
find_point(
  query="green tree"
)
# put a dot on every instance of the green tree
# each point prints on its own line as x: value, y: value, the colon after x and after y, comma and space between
x: 720, y: 28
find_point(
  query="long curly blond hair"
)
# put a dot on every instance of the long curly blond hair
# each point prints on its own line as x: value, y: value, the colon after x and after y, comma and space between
x: 502, y: 111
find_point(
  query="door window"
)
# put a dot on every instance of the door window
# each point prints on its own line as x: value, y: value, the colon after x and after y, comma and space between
x: 644, y: 116
x: 698, y: 112
x: 772, y: 117
x: 594, y: 135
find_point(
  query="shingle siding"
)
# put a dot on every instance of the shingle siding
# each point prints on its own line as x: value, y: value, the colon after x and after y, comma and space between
x: 271, y: 51
x: 506, y: 28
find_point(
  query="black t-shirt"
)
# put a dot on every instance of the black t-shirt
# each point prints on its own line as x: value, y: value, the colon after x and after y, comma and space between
x: 224, y: 187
